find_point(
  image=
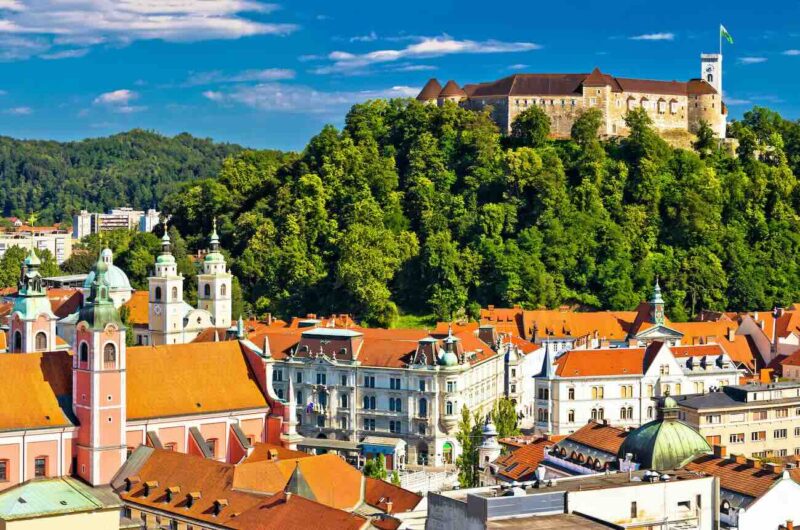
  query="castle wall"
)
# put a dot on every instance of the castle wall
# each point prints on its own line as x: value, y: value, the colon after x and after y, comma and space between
x: 706, y: 107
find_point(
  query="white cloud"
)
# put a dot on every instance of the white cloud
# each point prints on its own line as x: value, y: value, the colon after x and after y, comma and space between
x: 119, y: 101
x: 66, y: 54
x: 246, y: 76
x: 279, y: 97
x: 91, y: 22
x: 737, y: 101
x: 792, y: 53
x: 752, y: 60
x: 19, y: 111
x: 426, y: 47
x: 18, y: 47
x: 369, y: 37
x: 518, y: 67
x: 654, y: 36
x: 413, y: 68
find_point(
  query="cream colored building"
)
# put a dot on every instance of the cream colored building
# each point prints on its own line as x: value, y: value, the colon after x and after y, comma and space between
x: 758, y: 420
x: 61, y: 503
x: 674, y: 106
x: 58, y: 242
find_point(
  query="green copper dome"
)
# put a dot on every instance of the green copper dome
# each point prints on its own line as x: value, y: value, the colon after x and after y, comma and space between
x: 99, y: 310
x: 116, y: 277
x: 666, y: 443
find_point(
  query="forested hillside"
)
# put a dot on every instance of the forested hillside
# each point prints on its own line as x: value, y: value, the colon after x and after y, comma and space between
x: 136, y: 169
x: 424, y: 209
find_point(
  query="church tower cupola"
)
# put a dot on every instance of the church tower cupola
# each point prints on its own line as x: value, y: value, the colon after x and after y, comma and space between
x: 98, y: 391
x: 215, y: 283
x: 657, y: 306
x: 33, y: 324
x: 166, y: 308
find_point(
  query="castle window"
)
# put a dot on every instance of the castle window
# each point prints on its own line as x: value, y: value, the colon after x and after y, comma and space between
x: 571, y: 416
x: 710, y: 78
x: 158, y: 293
x: 174, y: 294
x: 207, y: 290
x: 673, y: 107
x: 662, y: 106
x: 110, y: 354
x: 84, y: 353
x: 223, y: 289
x: 41, y: 341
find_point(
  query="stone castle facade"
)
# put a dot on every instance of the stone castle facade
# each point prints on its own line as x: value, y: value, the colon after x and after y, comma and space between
x: 674, y: 106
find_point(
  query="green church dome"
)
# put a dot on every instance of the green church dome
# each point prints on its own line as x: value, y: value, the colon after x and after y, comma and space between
x: 666, y: 443
x: 115, y: 277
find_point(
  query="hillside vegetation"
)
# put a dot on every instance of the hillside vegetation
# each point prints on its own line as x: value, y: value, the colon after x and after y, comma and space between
x: 420, y: 209
x: 137, y: 168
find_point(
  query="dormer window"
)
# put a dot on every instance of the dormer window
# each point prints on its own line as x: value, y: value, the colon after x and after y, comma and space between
x: 219, y: 505
x: 149, y: 486
x: 192, y: 498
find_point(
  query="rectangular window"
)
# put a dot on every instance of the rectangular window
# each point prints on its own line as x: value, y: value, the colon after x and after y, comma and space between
x: 737, y: 438
x: 758, y: 436
x: 797, y: 431
x: 369, y: 381
x: 369, y: 425
x: 779, y: 434
x: 277, y: 375
x: 760, y: 415
x: 451, y: 386
x: 322, y: 379
x: 714, y: 418
x: 422, y: 385
x: 394, y: 383
x: 320, y: 421
x: 781, y: 413
x: 634, y: 510
x: 211, y: 443
x: 344, y: 401
x: 343, y: 380
x: 3, y: 470
x: 40, y: 467
x: 394, y: 426
x: 737, y: 418
x: 298, y: 377
x: 571, y: 393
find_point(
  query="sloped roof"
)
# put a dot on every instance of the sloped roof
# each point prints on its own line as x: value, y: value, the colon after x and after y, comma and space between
x: 139, y: 308
x: 430, y: 90
x: 261, y: 451
x: 736, y: 477
x: 183, y: 379
x: 378, y: 493
x: 451, y: 89
x: 286, y: 512
x: 505, y: 320
x: 51, y: 497
x: 599, y: 436
x: 605, y: 362
x: 522, y: 462
x: 792, y: 360
x: 37, y: 392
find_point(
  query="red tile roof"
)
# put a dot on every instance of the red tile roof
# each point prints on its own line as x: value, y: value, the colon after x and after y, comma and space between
x: 522, y: 463
x: 591, y: 363
x: 599, y: 436
x: 792, y: 360
x: 378, y: 493
x: 737, y: 477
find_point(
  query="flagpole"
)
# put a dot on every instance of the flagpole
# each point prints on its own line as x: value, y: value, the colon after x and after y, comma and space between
x: 720, y: 40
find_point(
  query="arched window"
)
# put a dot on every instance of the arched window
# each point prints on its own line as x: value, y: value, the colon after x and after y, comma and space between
x: 17, y: 341
x: 710, y: 78
x: 673, y: 106
x: 623, y: 413
x: 571, y: 416
x: 223, y: 290
x: 110, y: 353
x: 206, y: 290
x: 594, y: 414
x: 84, y: 353
x: 158, y: 293
x: 449, y: 408
x: 645, y: 103
x: 662, y: 106
x: 41, y: 341
x: 423, y: 408
x: 600, y: 414
x: 174, y: 294
x: 630, y: 413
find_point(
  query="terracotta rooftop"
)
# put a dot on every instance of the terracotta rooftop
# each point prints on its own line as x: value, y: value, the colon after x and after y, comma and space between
x: 378, y: 493
x: 451, y: 89
x: 738, y: 477
x: 185, y: 379
x: 264, y: 451
x: 604, y: 362
x: 521, y: 463
x: 430, y: 91
x: 599, y: 436
x: 138, y: 308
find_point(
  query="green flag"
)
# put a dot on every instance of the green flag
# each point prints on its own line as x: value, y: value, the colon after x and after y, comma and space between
x: 724, y: 33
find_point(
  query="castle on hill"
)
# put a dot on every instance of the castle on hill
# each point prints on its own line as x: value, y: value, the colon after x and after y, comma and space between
x: 674, y: 106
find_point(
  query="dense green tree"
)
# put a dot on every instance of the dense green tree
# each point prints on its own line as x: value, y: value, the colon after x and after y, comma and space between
x: 504, y: 416
x: 469, y: 437
x: 531, y: 127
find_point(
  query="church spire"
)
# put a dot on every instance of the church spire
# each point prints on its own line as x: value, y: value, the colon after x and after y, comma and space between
x: 657, y: 306
x: 214, y: 241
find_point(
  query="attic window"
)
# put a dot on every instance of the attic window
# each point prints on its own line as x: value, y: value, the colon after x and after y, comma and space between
x: 149, y: 486
x: 219, y: 505
x: 130, y: 481
x: 171, y: 492
x: 192, y: 498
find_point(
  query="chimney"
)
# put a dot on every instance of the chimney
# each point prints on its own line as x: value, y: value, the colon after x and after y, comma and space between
x: 740, y: 459
x: 731, y: 334
x: 720, y: 451
x: 754, y: 464
x: 389, y: 504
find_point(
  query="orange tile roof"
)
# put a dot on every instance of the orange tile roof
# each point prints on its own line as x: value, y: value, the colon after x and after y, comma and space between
x: 30, y: 391
x: 457, y: 327
x: 293, y: 512
x: 139, y: 308
x: 261, y: 451
x: 378, y: 493
x: 599, y: 436
x: 522, y: 462
x: 212, y: 335
x: 792, y: 360
x: 739, y: 478
x: 697, y: 350
x: 183, y: 379
x: 64, y: 301
x: 333, y: 481
x: 560, y: 324
x: 613, y: 361
x: 505, y: 320
x: 524, y: 346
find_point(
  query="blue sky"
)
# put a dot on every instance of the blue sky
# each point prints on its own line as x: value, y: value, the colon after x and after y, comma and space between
x: 272, y: 74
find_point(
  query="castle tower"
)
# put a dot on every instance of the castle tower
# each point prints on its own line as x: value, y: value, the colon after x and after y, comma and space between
x: 165, y: 319
x: 490, y: 448
x: 98, y: 384
x: 214, y: 284
x: 657, y: 306
x: 33, y: 324
x: 711, y: 70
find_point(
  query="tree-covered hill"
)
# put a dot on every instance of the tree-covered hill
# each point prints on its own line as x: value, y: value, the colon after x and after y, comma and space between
x: 430, y: 209
x: 136, y: 168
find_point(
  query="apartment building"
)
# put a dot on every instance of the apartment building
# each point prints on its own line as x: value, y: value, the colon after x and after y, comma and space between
x: 86, y: 223
x: 758, y: 420
x: 350, y: 383
x: 58, y: 242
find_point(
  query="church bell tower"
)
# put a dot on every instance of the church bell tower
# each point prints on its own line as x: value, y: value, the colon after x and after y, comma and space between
x: 214, y: 284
